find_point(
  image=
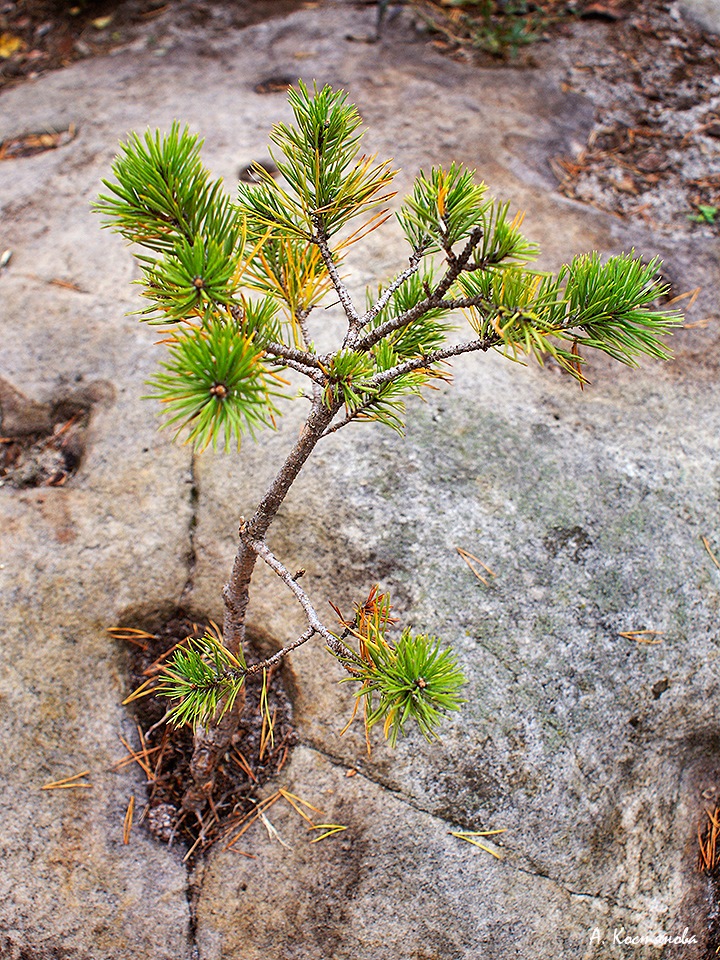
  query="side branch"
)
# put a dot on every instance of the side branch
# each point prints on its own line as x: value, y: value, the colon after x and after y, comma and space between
x: 353, y: 415
x: 433, y: 300
x: 281, y: 654
x: 288, y: 353
x: 418, y: 363
x: 340, y: 288
x: 383, y: 300
x: 309, y: 372
x: 342, y: 652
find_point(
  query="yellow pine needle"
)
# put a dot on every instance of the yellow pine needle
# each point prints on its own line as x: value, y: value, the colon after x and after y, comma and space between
x: 469, y: 835
x: 243, y: 264
x: 140, y: 692
x: 642, y: 636
x: 139, y: 756
x: 247, y: 821
x: 368, y: 746
x: 293, y: 800
x: 354, y: 713
x: 132, y: 757
x: 130, y: 632
x: 375, y: 221
x: 470, y: 559
x: 243, y: 764
x: 441, y: 197
x: 130, y: 635
x: 68, y: 783
x: 479, y: 833
x: 712, y: 556
x: 388, y: 722
x: 693, y: 294
x: 330, y: 830
x: 267, y: 732
x: 127, y: 823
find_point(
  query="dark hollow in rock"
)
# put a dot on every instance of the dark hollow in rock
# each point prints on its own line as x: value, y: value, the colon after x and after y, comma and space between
x: 574, y: 540
x: 278, y: 83
x: 42, y: 444
x: 250, y: 173
x: 253, y: 759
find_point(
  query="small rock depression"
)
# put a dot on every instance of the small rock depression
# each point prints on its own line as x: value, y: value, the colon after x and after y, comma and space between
x: 259, y: 749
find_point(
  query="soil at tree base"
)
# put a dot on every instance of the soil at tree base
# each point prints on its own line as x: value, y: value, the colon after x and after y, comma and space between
x: 253, y: 758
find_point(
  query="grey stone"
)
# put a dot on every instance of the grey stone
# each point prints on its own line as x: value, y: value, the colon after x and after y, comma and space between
x: 595, y: 752
x: 704, y: 12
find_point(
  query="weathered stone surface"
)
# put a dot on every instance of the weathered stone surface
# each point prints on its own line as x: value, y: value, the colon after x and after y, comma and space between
x: 395, y: 883
x: 596, y: 752
x: 705, y: 12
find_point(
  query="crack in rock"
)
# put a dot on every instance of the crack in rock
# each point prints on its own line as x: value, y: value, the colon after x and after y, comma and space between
x: 191, y: 556
x: 409, y: 801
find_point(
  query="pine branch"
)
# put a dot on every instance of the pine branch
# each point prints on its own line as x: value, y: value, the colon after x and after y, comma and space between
x: 302, y: 357
x: 417, y: 363
x: 301, y: 320
x: 387, y: 294
x: 259, y: 547
x: 432, y: 301
x: 302, y: 361
x: 281, y: 654
x: 344, y: 297
x: 354, y: 415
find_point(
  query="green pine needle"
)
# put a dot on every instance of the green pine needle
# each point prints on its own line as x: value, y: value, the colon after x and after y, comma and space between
x: 328, y: 185
x: 163, y: 193
x: 216, y: 385
x: 442, y: 209
x: 412, y: 680
x: 205, y: 679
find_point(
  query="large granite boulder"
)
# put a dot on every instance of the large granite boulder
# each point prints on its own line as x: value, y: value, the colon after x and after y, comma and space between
x: 596, y: 752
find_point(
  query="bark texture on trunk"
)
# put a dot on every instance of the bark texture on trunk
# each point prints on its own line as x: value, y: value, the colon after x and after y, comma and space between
x: 213, y: 741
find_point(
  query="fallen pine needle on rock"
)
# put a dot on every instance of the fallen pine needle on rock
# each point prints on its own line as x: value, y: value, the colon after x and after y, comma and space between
x: 330, y: 830
x: 712, y: 556
x: 641, y: 636
x: 292, y: 798
x: 469, y: 837
x: 470, y: 559
x: 127, y: 823
x: 69, y: 783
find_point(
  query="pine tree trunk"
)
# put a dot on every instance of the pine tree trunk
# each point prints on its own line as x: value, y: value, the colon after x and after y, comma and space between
x: 213, y: 741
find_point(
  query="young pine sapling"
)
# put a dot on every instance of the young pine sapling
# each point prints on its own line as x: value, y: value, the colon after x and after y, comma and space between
x: 235, y: 285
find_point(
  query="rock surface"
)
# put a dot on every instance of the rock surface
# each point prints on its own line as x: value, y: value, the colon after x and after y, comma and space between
x: 704, y: 12
x: 595, y: 752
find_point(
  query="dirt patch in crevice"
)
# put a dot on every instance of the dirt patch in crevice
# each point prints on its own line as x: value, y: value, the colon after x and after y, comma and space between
x: 43, y: 444
x: 165, y: 752
x: 654, y: 151
x: 697, y: 806
x: 41, y: 35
